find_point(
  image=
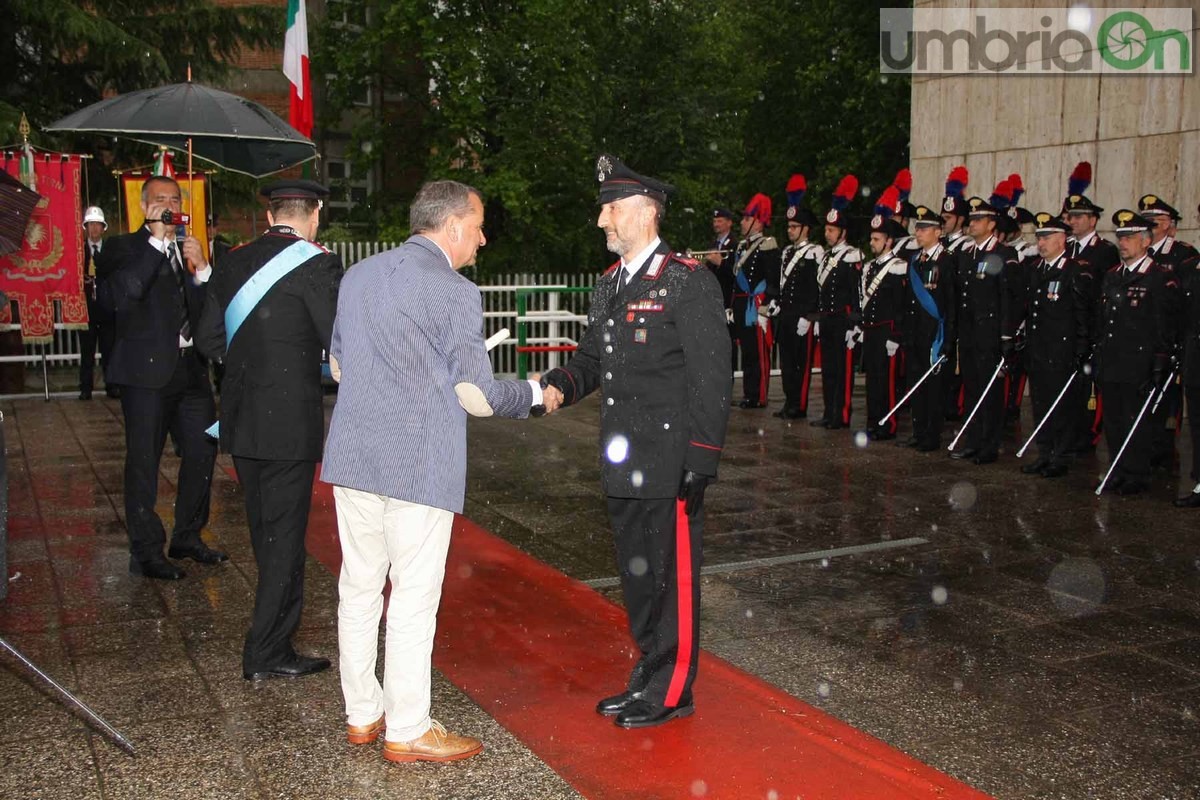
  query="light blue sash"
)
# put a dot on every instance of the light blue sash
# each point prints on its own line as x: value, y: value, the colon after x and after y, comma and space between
x: 255, y: 289
x: 929, y: 304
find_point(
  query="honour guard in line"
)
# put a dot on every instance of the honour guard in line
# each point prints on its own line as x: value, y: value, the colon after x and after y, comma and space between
x: 1189, y: 281
x: 956, y: 243
x: 797, y: 303
x: 1170, y: 254
x: 1098, y: 256
x: 1061, y: 296
x: 720, y: 262
x: 665, y: 410
x: 928, y: 328
x: 756, y: 284
x: 984, y: 335
x: 1012, y: 233
x: 1136, y: 339
x: 838, y: 309
x: 883, y: 297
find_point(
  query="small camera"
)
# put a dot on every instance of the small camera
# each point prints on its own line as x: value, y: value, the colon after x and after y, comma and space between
x: 171, y: 218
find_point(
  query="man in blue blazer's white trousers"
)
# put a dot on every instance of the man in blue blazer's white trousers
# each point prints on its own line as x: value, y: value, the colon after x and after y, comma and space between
x: 409, y: 330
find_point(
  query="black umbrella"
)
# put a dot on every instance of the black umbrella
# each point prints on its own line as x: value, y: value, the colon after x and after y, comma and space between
x: 222, y: 128
x: 17, y: 202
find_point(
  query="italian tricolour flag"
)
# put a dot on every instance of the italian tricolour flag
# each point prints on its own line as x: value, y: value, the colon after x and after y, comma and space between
x: 295, y: 67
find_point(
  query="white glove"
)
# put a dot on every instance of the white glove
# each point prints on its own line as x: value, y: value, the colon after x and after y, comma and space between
x: 852, y: 337
x: 764, y: 310
x: 774, y: 308
x: 817, y: 330
x: 892, y: 347
x: 802, y: 326
x: 764, y: 322
x: 729, y: 315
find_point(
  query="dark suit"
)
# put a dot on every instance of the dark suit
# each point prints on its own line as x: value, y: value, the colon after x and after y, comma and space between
x: 1136, y: 337
x: 656, y: 350
x: 163, y: 387
x: 272, y: 419
x: 984, y: 321
x: 936, y: 272
x: 1060, y: 299
x: 1098, y: 257
x: 100, y: 326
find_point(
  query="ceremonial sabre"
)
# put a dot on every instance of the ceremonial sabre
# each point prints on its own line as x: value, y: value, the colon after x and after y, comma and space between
x: 72, y: 700
x: 910, y: 392
x: 982, y: 396
x: 1162, y: 393
x: 1133, y: 429
x: 1046, y: 416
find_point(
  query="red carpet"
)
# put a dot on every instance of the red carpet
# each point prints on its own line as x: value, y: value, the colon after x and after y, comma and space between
x: 536, y: 649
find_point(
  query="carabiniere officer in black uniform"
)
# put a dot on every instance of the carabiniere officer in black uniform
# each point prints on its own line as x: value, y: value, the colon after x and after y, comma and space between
x: 1059, y: 304
x: 272, y: 418
x: 656, y: 347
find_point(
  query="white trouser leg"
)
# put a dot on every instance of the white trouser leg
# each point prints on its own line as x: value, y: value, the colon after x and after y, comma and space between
x: 418, y: 538
x: 360, y: 518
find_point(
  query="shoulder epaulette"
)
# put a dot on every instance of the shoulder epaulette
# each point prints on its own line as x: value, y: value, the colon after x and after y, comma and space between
x: 852, y: 254
x: 679, y: 258
x: 898, y: 266
x: 238, y: 246
x: 768, y: 243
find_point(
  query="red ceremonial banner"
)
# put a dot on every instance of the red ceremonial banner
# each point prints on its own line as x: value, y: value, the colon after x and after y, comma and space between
x: 49, y: 265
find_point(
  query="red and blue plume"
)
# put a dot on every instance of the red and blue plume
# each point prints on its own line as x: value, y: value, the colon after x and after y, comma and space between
x: 796, y: 187
x: 1002, y: 196
x: 759, y: 207
x: 903, y: 183
x: 956, y: 182
x: 1081, y: 178
x: 844, y: 193
x: 1018, y: 188
x: 887, y: 203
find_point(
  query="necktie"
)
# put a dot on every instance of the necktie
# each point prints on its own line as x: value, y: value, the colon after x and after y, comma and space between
x: 185, y: 328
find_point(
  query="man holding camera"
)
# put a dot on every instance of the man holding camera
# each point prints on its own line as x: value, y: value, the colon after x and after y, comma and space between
x: 154, y: 286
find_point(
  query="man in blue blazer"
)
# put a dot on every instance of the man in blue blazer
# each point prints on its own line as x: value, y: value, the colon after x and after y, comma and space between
x: 408, y: 331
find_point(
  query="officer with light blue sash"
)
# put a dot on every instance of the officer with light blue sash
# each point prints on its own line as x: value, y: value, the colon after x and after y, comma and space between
x: 269, y: 316
x: 927, y: 328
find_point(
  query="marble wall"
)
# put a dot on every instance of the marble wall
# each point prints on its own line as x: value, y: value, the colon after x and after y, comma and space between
x: 1141, y: 133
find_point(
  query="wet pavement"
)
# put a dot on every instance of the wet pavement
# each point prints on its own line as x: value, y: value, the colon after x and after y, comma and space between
x: 1015, y: 632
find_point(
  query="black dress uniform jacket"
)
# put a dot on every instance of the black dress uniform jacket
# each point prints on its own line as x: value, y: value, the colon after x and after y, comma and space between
x: 883, y: 293
x: 798, y: 281
x: 838, y: 282
x: 1139, y: 322
x: 271, y: 394
x: 656, y: 350
x: 1172, y: 254
x: 1099, y: 256
x: 1060, y: 299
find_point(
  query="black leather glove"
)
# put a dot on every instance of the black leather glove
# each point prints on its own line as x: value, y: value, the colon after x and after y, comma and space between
x: 1159, y: 376
x: 691, y: 490
x: 1083, y: 363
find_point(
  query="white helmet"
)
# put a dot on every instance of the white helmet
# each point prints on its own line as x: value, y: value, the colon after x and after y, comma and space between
x: 94, y: 214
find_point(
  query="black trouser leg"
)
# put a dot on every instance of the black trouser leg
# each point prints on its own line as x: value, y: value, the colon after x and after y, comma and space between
x: 145, y: 432
x: 881, y: 378
x: 836, y: 371
x: 1193, y: 416
x: 749, y: 340
x: 1122, y: 402
x: 278, y: 495
x: 191, y: 411
x: 1059, y: 436
x: 661, y: 585
x: 87, y: 359
x: 926, y: 404
x: 791, y: 360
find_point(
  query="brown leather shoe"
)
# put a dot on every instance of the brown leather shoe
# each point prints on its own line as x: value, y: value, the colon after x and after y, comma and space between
x: 365, y: 734
x: 437, y: 744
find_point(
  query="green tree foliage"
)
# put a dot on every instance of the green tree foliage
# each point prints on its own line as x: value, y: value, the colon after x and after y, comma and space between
x: 721, y: 98
x: 63, y: 55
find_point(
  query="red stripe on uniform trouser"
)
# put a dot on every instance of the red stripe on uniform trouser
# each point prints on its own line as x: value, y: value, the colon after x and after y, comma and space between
x: 806, y: 378
x: 892, y: 424
x: 683, y: 592
x: 1020, y: 390
x: 849, y: 386
x: 1007, y: 389
x: 1098, y: 418
x: 764, y: 364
